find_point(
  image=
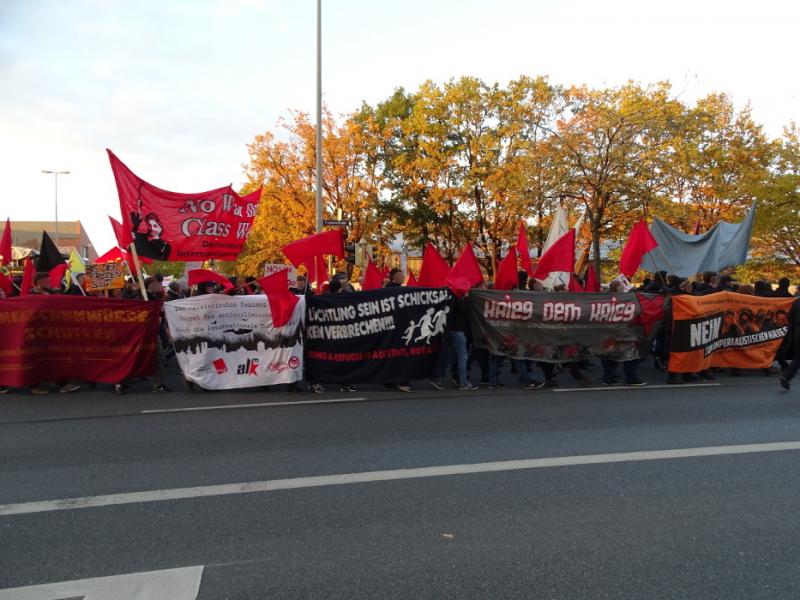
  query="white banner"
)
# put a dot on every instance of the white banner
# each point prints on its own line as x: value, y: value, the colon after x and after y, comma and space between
x: 226, y: 342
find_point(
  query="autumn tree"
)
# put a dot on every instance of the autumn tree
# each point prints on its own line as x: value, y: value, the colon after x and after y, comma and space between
x: 612, y: 141
x: 721, y: 159
x: 285, y: 169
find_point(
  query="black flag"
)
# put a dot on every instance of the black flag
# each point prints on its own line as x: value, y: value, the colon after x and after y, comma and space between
x: 49, y: 256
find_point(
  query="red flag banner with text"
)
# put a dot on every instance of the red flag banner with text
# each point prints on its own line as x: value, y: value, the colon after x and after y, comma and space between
x: 183, y: 227
x: 55, y: 338
x: 726, y: 330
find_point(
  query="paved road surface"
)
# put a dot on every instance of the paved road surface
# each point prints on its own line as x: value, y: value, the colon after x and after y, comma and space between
x: 715, y: 523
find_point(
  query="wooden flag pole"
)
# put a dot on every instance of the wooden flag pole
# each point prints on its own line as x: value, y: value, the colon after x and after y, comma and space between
x: 138, y: 267
x: 669, y: 264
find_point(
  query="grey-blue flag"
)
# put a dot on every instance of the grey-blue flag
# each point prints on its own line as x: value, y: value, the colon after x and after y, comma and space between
x: 724, y: 245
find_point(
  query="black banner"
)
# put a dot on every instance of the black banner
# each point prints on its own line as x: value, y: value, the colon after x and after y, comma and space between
x: 391, y: 335
x: 556, y: 326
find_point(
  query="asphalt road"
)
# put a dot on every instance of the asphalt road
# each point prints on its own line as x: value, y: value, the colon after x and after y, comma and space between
x: 701, y: 526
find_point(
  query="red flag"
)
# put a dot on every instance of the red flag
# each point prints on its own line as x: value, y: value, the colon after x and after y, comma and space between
x: 57, y: 274
x: 506, y: 277
x: 574, y: 285
x: 27, y: 277
x: 592, y: 283
x: 640, y: 242
x: 113, y: 255
x: 281, y: 300
x: 179, y: 227
x: 319, y: 244
x: 124, y: 237
x: 652, y: 310
x: 560, y: 257
x: 434, y: 269
x: 411, y: 281
x: 373, y: 278
x: 465, y: 273
x: 318, y: 275
x: 5, y: 245
x: 202, y: 275
x: 524, y: 251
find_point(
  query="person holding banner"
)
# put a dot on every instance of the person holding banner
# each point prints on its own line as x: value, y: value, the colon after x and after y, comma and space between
x: 794, y: 336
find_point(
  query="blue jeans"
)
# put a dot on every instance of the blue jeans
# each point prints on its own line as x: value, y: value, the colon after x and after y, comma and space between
x: 458, y: 341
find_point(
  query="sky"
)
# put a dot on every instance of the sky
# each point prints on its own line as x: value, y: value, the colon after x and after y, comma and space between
x: 177, y: 89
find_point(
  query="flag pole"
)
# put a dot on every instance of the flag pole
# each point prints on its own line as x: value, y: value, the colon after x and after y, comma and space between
x: 138, y: 266
x: 669, y: 264
x: 318, y: 169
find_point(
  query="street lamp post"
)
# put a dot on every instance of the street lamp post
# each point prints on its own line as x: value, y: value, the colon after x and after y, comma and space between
x: 319, y: 117
x: 55, y: 175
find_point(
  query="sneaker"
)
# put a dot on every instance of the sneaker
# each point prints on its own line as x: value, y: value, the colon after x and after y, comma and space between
x: 68, y: 388
x: 436, y: 385
x: 3, y: 390
x: 402, y: 387
x: 467, y: 388
x: 551, y: 383
x: 348, y: 388
x: 635, y: 383
x: 609, y: 382
x: 39, y: 390
x: 316, y: 388
x: 483, y: 383
x: 785, y: 383
x: 119, y: 389
x: 160, y: 388
x: 534, y: 385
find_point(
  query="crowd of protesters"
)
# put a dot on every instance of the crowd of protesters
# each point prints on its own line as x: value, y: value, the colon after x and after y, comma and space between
x: 458, y: 353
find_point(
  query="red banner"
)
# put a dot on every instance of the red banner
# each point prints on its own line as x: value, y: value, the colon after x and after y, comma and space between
x: 55, y: 338
x: 183, y: 227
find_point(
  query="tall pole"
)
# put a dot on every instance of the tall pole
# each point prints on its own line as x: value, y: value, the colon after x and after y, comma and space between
x: 319, y: 117
x: 55, y: 175
x: 55, y: 195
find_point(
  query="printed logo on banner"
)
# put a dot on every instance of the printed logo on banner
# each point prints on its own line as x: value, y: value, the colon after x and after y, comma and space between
x: 220, y: 366
x: 249, y: 367
x: 280, y: 367
x: 432, y: 323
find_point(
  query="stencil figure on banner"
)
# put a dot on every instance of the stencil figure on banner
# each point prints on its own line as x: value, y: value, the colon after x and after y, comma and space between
x: 182, y: 227
x: 391, y: 334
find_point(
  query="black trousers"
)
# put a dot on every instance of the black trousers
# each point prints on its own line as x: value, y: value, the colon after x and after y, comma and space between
x: 792, y: 369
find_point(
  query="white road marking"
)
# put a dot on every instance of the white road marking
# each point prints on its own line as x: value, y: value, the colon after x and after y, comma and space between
x: 169, y: 584
x: 257, y: 405
x: 606, y: 388
x: 229, y: 489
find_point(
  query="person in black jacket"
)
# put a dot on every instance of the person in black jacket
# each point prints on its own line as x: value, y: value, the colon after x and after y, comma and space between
x: 794, y: 331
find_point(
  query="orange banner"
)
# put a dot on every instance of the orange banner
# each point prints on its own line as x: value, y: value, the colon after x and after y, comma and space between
x: 726, y: 330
